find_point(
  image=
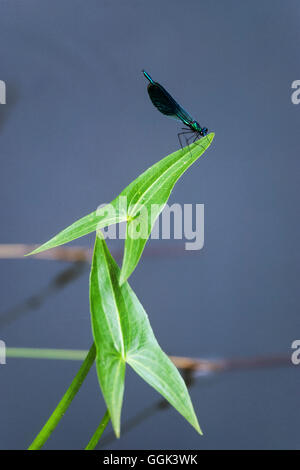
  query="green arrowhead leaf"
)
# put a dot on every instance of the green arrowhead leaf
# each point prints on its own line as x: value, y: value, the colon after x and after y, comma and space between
x: 139, y: 204
x: 122, y: 333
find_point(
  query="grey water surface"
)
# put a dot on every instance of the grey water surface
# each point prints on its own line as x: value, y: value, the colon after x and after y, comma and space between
x: 78, y: 126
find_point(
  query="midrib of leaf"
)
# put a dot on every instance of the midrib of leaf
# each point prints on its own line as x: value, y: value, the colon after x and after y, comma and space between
x: 115, y: 389
x: 121, y: 336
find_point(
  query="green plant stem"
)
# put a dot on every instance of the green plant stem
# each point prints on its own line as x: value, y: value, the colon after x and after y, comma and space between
x: 65, y: 402
x: 38, y: 353
x: 98, y: 433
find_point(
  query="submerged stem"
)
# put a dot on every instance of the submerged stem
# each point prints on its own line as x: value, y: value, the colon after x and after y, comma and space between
x: 98, y: 433
x: 65, y: 402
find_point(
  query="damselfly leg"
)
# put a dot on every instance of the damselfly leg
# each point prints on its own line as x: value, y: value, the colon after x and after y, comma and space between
x: 166, y: 104
x: 194, y: 136
x: 186, y: 130
x: 198, y: 136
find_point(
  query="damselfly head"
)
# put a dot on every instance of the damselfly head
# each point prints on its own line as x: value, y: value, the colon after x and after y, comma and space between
x: 203, y: 131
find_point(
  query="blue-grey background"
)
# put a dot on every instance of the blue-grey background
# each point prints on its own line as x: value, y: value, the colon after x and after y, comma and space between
x: 78, y: 126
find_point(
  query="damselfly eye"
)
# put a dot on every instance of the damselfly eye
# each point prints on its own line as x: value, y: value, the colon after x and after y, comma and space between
x: 204, y: 131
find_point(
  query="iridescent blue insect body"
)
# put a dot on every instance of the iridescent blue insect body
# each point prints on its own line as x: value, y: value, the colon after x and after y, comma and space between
x: 166, y: 104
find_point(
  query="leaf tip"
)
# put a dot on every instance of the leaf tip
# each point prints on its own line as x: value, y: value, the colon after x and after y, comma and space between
x: 116, y: 426
x: 33, y: 252
x: 197, y: 427
x: 211, y: 137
